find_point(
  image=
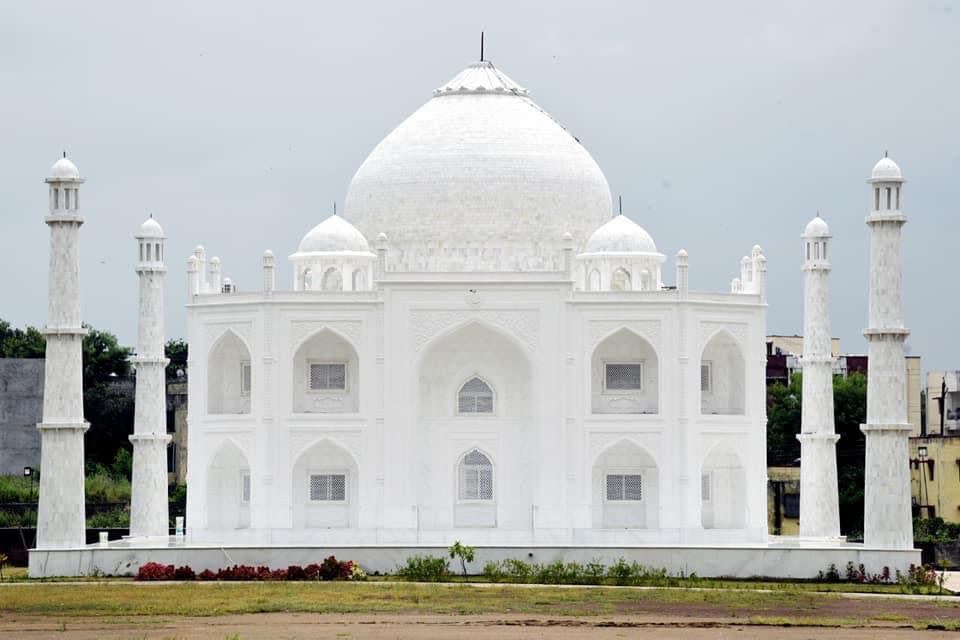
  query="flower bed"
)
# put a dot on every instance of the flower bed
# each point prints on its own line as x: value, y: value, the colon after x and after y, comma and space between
x: 329, y: 569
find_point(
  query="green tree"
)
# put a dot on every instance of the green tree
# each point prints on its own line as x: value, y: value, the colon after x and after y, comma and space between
x: 176, y: 351
x: 17, y: 343
x: 784, y: 403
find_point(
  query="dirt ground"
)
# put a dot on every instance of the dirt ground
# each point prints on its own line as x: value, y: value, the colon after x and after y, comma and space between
x: 428, y: 627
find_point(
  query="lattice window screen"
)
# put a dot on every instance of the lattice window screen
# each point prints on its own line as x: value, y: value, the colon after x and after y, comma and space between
x: 246, y: 378
x: 625, y: 376
x: 706, y: 376
x: 705, y: 487
x: 476, y: 477
x: 475, y: 396
x: 245, y: 487
x: 328, y: 487
x: 624, y: 486
x: 325, y: 377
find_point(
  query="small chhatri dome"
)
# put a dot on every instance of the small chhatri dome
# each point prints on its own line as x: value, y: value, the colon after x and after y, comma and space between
x: 817, y: 228
x: 64, y: 169
x: 620, y: 235
x: 334, y: 235
x: 151, y: 229
x: 886, y: 170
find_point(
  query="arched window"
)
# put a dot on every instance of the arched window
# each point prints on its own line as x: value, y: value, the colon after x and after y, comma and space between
x: 357, y: 280
x: 475, y: 477
x: 332, y: 280
x: 307, y: 279
x: 620, y: 280
x: 594, y: 280
x: 475, y: 396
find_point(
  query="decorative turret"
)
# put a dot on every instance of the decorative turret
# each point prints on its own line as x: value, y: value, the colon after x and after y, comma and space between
x: 333, y: 256
x: 887, y: 519
x: 819, y: 500
x: 269, y: 282
x: 61, y: 519
x: 148, y: 503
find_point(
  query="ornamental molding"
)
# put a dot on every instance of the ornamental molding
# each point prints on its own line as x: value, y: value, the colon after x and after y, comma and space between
x: 303, y: 440
x: 426, y: 324
x: 709, y: 328
x: 601, y: 441
x: 215, y: 330
x: 349, y: 329
x: 649, y: 330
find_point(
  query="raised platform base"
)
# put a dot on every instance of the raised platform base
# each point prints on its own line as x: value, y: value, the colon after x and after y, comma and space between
x: 780, y: 558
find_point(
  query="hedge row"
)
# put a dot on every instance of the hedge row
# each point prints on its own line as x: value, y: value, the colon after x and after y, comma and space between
x: 329, y: 569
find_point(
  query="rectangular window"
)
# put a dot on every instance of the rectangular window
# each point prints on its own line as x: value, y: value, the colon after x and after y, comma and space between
x: 808, y: 250
x: 148, y: 253
x: 246, y: 378
x: 791, y: 505
x: 624, y: 486
x: 898, y: 198
x: 328, y: 487
x: 476, y: 482
x: 245, y: 488
x: 56, y: 198
x: 625, y: 376
x: 706, y: 377
x: 328, y: 376
x: 705, y: 487
x: 876, y: 199
x: 816, y: 250
x: 824, y: 250
x: 171, y: 458
x: 888, y: 197
x: 76, y: 198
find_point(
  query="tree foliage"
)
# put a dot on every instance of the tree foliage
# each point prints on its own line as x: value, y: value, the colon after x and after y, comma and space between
x: 176, y: 351
x: 21, y: 343
x: 784, y: 408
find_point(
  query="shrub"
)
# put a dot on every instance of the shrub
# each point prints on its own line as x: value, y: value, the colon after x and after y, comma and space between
x: 558, y: 573
x: 333, y: 569
x: 155, y: 571
x: 296, y: 572
x: 206, y: 574
x: 16, y: 489
x: 832, y: 574
x: 184, y: 573
x: 517, y: 570
x: 113, y: 519
x: 103, y: 487
x: 26, y: 518
x: 425, y: 569
x: 620, y: 572
x: 493, y: 571
x: 593, y: 572
x: 312, y: 571
x: 356, y: 571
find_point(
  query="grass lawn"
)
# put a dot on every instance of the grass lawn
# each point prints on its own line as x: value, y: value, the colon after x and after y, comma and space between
x: 785, y: 605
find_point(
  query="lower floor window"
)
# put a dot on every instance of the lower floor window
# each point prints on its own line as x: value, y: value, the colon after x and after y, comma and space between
x: 624, y: 486
x: 328, y: 487
x: 791, y: 505
x: 476, y: 477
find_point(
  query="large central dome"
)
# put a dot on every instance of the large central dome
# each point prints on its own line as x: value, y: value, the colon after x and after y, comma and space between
x: 478, y: 178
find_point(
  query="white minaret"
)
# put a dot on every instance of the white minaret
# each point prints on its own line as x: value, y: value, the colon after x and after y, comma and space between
x: 148, y: 504
x: 886, y: 519
x: 819, y: 498
x: 61, y: 520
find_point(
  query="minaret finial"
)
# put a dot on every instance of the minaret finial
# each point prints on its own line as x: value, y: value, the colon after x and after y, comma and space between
x: 64, y: 153
x: 481, y: 46
x: 334, y: 207
x: 886, y: 154
x: 620, y: 204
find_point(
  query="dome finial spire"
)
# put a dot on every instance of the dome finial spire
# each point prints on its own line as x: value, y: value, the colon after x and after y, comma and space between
x: 334, y: 207
x: 620, y: 204
x: 64, y: 153
x: 481, y: 46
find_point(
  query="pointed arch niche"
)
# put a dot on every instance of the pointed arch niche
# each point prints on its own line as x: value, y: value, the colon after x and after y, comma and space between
x: 325, y: 488
x: 229, y: 376
x: 722, y: 376
x: 326, y: 376
x: 228, y: 489
x: 624, y: 375
x: 445, y: 434
x: 625, y: 488
x: 723, y: 490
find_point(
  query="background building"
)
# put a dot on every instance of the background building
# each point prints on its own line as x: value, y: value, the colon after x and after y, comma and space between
x: 21, y: 408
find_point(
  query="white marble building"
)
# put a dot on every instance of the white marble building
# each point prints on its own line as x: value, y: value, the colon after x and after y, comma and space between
x: 478, y: 349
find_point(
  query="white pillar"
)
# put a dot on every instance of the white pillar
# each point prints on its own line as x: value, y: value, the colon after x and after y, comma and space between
x: 61, y: 521
x: 683, y: 278
x: 887, y: 521
x: 149, y: 515
x: 215, y: 281
x: 819, y: 497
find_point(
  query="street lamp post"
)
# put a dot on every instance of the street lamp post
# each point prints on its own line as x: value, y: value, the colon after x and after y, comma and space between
x: 28, y: 473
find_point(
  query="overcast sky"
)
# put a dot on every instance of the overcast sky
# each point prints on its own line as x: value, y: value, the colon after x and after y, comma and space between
x: 722, y: 125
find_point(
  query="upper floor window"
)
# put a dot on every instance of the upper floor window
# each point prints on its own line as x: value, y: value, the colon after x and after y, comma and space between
x: 475, y: 396
x: 476, y: 477
x: 623, y: 376
x: 328, y: 487
x: 624, y: 486
x: 328, y: 376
